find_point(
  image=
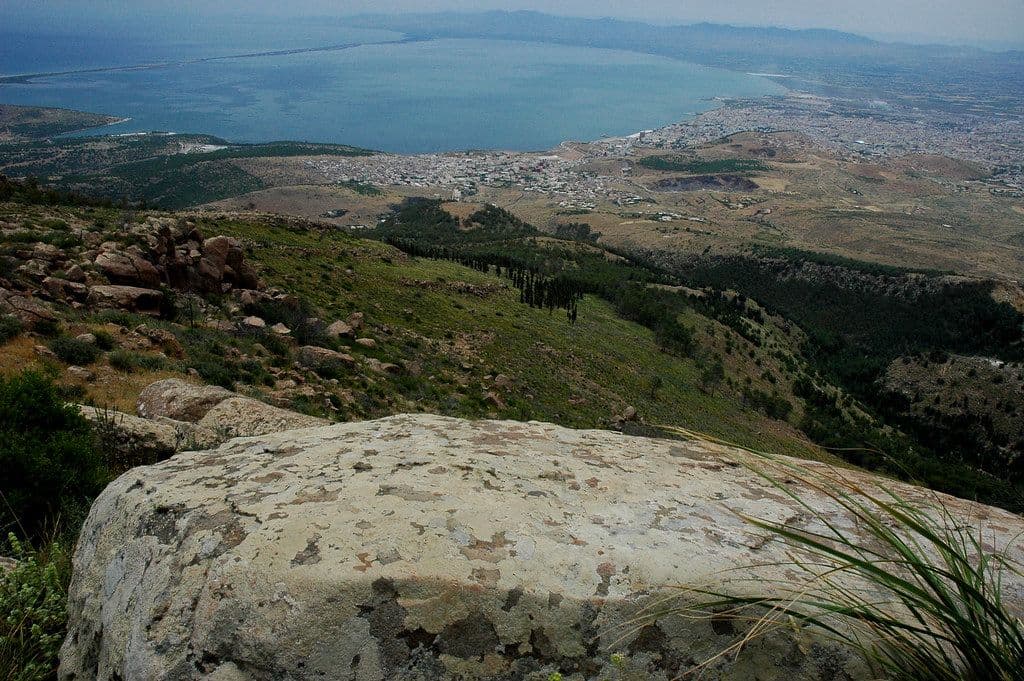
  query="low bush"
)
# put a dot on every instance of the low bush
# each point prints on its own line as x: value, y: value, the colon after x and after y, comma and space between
x: 51, y: 467
x: 127, y: 361
x: 104, y: 340
x: 73, y: 351
x: 10, y: 326
x: 119, y: 317
x: 48, y: 328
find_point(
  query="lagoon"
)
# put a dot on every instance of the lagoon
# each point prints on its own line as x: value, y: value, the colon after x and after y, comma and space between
x: 387, y: 94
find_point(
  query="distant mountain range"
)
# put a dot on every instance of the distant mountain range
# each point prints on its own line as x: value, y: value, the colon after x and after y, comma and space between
x: 827, y: 61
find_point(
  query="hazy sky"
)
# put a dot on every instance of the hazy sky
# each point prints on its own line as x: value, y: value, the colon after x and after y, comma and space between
x: 991, y: 23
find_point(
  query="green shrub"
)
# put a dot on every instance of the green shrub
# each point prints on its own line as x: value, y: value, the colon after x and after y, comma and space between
x: 10, y: 326
x: 119, y: 317
x: 219, y: 373
x: 51, y: 468
x: 73, y: 351
x: 49, y: 328
x: 33, y: 612
x: 104, y: 340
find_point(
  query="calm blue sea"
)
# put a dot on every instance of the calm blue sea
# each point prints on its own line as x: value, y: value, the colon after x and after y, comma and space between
x: 402, y: 97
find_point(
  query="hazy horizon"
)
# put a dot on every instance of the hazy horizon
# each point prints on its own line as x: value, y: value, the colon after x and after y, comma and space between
x: 994, y: 24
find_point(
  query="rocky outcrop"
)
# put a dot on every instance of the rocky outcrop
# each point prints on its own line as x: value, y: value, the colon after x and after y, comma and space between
x: 190, y: 262
x: 423, y: 547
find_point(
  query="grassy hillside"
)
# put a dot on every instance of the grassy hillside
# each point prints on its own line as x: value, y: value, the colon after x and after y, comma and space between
x: 468, y: 311
x: 456, y: 326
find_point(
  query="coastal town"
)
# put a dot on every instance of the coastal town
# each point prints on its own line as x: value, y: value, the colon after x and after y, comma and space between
x: 995, y: 143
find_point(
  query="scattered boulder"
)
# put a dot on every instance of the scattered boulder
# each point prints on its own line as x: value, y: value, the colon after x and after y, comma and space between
x: 44, y: 251
x: 175, y: 399
x: 383, y: 367
x: 366, y: 343
x: 355, y: 320
x: 423, y: 547
x: 246, y: 417
x: 323, y: 360
x: 86, y: 338
x: 163, y: 338
x: 141, y: 300
x: 254, y: 323
x: 44, y: 351
x: 339, y: 329
x: 75, y: 274
x: 280, y: 329
x: 494, y: 399
x: 80, y: 373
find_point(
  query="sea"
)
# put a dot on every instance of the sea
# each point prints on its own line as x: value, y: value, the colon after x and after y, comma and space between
x: 367, y: 88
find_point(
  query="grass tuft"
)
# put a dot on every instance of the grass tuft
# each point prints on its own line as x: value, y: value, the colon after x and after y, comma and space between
x: 917, y: 590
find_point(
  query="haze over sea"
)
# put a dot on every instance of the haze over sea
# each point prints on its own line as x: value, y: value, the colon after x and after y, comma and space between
x: 406, y: 97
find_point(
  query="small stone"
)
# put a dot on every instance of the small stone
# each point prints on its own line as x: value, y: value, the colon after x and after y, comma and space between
x: 280, y: 329
x: 80, y: 374
x: 339, y: 329
x: 254, y: 323
x: 76, y: 274
x: 86, y: 338
x: 366, y: 343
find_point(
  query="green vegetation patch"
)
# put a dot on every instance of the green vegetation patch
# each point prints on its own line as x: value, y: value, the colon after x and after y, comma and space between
x: 680, y: 164
x: 52, y: 469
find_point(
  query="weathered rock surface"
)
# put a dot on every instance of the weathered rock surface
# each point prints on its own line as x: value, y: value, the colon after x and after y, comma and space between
x: 246, y: 417
x: 423, y: 547
x: 179, y: 400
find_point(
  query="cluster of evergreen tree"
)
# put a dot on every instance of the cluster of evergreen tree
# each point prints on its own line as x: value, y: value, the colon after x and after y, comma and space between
x: 549, y: 273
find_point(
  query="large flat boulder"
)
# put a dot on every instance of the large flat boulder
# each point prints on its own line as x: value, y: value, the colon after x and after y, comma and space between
x: 422, y: 547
